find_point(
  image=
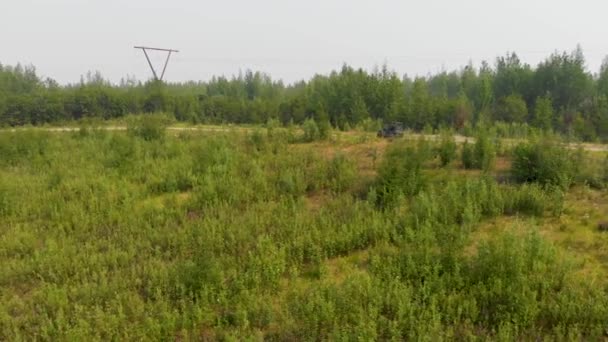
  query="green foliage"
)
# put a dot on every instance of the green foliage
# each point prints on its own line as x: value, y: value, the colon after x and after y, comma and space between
x: 532, y: 199
x: 484, y: 152
x: 325, y: 126
x: 341, y: 173
x: 447, y: 148
x: 311, y: 130
x: 558, y: 94
x: 468, y: 156
x: 545, y: 162
x: 465, y: 203
x: 148, y: 126
x: 25, y: 147
x: 400, y: 173
x: 511, y: 275
x: 589, y: 169
x: 543, y: 113
x: 369, y: 125
x: 462, y: 203
x: 199, y: 275
x: 604, y: 170
x: 513, y: 108
x: 228, y: 236
x: 481, y: 155
x: 513, y: 130
x: 272, y: 125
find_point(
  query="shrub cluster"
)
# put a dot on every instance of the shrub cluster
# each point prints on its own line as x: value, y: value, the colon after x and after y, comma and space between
x: 148, y: 126
x: 480, y: 155
x: 447, y: 148
x: 225, y: 236
x: 400, y: 173
x: 545, y: 162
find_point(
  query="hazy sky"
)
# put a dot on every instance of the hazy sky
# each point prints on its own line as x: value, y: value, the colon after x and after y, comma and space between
x: 291, y: 40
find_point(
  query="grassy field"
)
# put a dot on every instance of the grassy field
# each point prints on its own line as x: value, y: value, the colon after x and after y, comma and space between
x: 254, y: 234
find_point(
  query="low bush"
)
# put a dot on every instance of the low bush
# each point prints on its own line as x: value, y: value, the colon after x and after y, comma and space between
x: 467, y: 156
x: 400, y: 173
x: 370, y: 125
x: 512, y: 277
x: 341, y: 173
x: 545, y: 162
x: 148, y: 126
x: 311, y: 130
x: 527, y: 199
x: 480, y: 155
x: 447, y: 148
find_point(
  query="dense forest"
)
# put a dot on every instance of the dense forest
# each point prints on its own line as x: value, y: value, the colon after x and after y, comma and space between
x: 558, y: 94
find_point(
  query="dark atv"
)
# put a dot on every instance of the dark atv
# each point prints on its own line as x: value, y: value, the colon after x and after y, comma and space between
x: 392, y: 130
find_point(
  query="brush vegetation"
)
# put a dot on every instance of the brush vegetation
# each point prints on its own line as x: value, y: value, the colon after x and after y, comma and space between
x: 146, y: 235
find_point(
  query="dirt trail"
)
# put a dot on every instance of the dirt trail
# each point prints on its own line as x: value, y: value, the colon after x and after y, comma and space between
x: 124, y: 128
x: 461, y: 139
x: 411, y: 136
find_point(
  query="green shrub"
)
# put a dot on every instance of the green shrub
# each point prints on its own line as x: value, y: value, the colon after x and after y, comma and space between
x: 468, y: 156
x: 400, y: 173
x: 148, y: 126
x: 604, y: 172
x: 427, y: 129
x: 202, y: 273
x: 425, y: 150
x: 484, y: 152
x: 325, y: 129
x: 272, y: 125
x: 447, y: 148
x: 22, y: 148
x: 526, y: 199
x: 311, y: 130
x: 589, y: 170
x: 5, y: 200
x: 544, y: 162
x: 462, y: 202
x: 121, y: 151
x: 481, y: 155
x: 370, y: 125
x: 258, y: 140
x: 341, y: 173
x: 511, y: 277
x: 291, y: 182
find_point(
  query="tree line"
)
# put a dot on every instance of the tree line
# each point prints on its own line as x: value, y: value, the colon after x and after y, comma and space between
x: 558, y: 94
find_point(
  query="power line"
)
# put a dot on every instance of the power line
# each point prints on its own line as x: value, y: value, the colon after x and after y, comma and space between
x: 169, y: 52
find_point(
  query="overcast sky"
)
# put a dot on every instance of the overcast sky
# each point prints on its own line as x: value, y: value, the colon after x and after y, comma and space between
x: 291, y: 40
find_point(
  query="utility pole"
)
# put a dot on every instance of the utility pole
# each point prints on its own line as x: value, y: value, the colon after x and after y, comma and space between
x: 169, y: 52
